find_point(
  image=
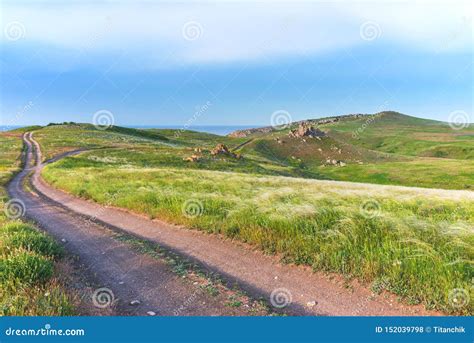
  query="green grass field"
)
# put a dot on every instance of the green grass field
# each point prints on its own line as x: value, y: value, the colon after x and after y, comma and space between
x: 421, y: 172
x: 417, y: 246
x: 434, y: 155
x: 28, y: 258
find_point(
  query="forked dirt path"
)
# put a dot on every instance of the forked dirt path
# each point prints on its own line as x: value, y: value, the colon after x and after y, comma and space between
x: 298, y: 288
x: 127, y: 275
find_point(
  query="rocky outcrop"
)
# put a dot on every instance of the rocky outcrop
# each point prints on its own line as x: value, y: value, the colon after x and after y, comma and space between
x: 248, y: 132
x: 332, y: 162
x: 315, y: 122
x: 330, y: 120
x: 305, y: 129
x: 222, y: 149
x: 219, y: 150
x: 192, y: 158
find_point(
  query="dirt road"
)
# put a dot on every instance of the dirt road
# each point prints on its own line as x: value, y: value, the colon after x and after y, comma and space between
x: 293, y: 289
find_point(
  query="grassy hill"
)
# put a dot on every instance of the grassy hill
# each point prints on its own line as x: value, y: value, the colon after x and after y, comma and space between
x: 385, y: 148
x: 400, y: 134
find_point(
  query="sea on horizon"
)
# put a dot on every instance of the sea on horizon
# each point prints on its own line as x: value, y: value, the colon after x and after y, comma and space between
x: 221, y: 130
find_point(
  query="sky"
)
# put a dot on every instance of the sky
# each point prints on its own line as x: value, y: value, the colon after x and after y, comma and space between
x: 232, y: 63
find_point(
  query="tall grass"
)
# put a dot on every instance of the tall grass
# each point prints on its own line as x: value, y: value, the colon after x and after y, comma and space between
x: 418, y: 247
x: 48, y: 299
x: 27, y: 267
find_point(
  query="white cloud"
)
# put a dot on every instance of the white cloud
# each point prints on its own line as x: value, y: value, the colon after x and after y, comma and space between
x: 152, y: 33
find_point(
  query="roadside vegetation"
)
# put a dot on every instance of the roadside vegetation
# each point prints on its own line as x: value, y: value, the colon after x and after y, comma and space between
x: 28, y: 257
x: 28, y: 262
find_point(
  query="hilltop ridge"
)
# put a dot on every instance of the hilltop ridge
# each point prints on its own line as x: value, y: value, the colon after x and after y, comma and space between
x: 331, y: 120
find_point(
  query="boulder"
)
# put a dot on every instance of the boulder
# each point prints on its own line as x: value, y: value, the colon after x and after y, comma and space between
x: 223, y: 150
x: 220, y: 149
x: 192, y: 158
x: 338, y: 163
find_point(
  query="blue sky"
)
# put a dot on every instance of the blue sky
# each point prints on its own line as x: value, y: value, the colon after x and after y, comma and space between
x: 159, y: 63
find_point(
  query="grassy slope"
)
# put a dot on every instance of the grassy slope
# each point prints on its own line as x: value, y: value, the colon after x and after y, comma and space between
x: 438, y: 155
x: 62, y: 138
x: 399, y: 134
x: 417, y: 247
x: 389, y: 148
x: 27, y: 257
x: 142, y: 151
x: 427, y: 172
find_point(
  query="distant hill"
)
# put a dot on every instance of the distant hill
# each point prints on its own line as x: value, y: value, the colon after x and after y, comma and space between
x: 389, y: 116
x: 361, y: 135
x: 268, y: 129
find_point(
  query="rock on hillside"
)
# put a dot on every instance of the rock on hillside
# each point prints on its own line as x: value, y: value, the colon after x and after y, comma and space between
x: 305, y: 129
x: 192, y: 158
x: 219, y: 150
x: 315, y: 122
x: 222, y: 149
x: 248, y: 132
